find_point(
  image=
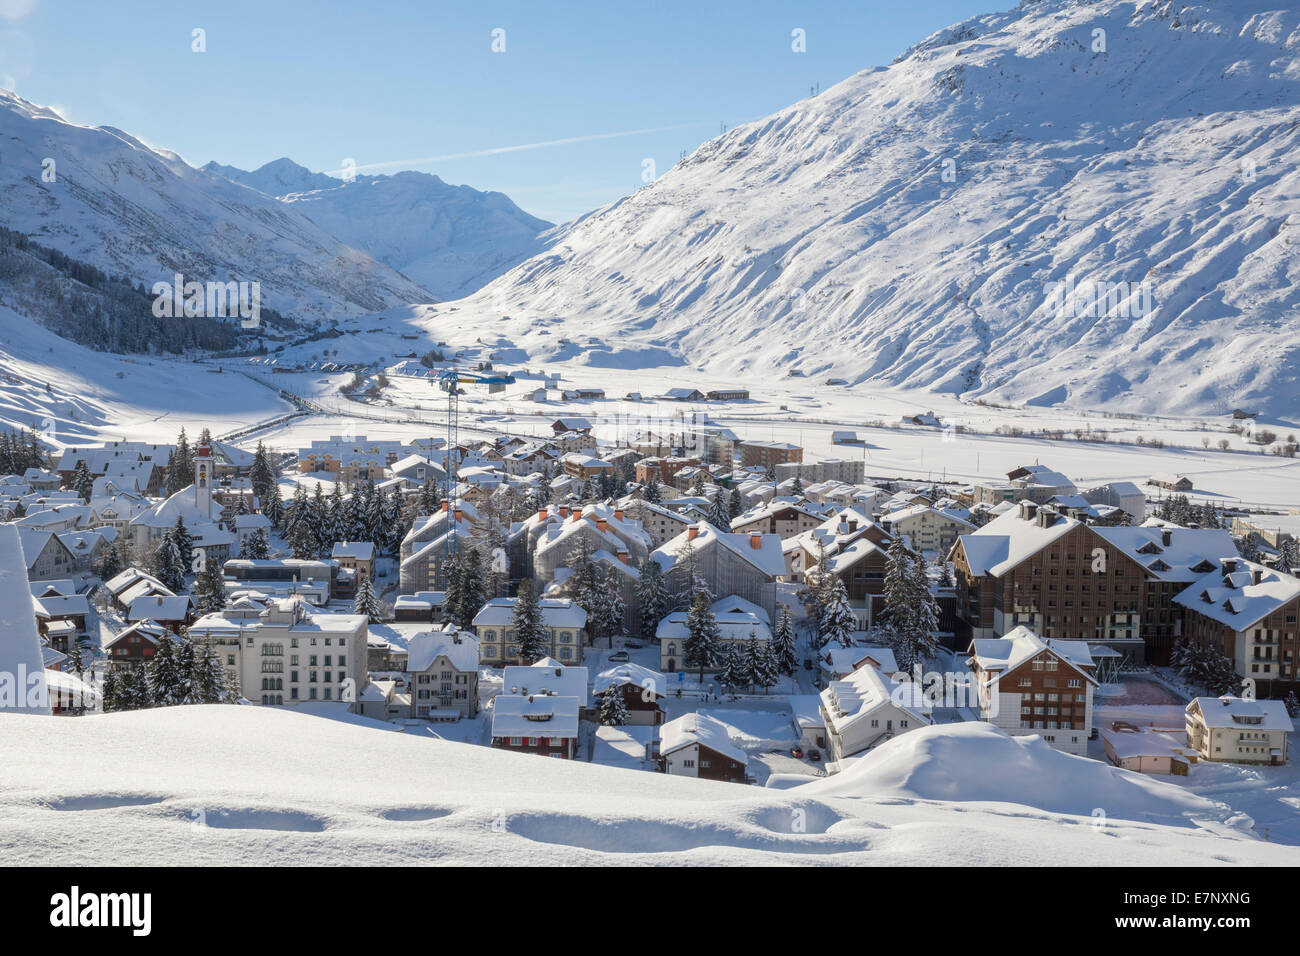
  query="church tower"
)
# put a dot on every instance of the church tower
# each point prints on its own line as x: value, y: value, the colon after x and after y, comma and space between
x: 203, y: 480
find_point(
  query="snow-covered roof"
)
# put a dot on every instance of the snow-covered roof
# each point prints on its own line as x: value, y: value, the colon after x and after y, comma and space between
x: 1187, y: 548
x: 1010, y: 538
x: 1241, y: 596
x: 546, y: 677
x: 159, y: 607
x: 1001, y: 655
x: 1236, y: 712
x: 629, y: 673
x: 459, y: 647
x: 767, y: 557
x: 541, y: 715
x: 360, y: 550
x: 845, y: 660
x: 556, y: 612
x: 864, y: 692
x: 699, y: 729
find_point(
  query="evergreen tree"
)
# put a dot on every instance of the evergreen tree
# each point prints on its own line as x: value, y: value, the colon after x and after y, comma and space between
x: 180, y: 467
x: 651, y: 597
x: 114, y: 561
x: 925, y: 612
x: 733, y: 674
x: 255, y: 546
x: 838, y: 622
x: 76, y: 657
x: 719, y: 514
x: 1292, y: 704
x: 82, y: 482
x: 209, y: 588
x: 783, y: 645
x: 184, y: 542
x: 530, y: 633
x: 110, y: 691
x: 167, y: 567
x: 166, y: 682
x: 760, y: 664
x: 137, y: 690
x: 272, y: 506
x: 468, y: 587
x: 186, y: 668
x: 613, y: 708
x: 209, y: 679
x: 702, y: 647
x: 302, y: 541
x: 261, y: 476
x: 736, y: 504
x: 367, y: 603
x: 651, y: 493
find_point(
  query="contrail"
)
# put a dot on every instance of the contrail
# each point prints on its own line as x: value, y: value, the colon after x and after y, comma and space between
x: 510, y: 149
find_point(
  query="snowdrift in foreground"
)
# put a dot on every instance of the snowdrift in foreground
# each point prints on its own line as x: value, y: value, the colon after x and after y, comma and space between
x: 977, y: 762
x: 254, y: 786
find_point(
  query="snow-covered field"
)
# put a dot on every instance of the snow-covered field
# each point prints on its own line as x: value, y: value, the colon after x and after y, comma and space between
x: 245, y: 786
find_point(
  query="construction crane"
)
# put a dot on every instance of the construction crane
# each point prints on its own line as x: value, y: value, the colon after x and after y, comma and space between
x: 450, y: 380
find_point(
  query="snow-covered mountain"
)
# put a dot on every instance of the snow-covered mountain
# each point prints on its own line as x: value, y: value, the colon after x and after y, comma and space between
x: 452, y: 240
x: 105, y: 198
x: 907, y: 225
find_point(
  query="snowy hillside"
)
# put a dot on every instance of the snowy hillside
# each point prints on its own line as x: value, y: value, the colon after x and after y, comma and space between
x: 126, y: 208
x: 246, y: 785
x: 452, y: 240
x: 906, y: 225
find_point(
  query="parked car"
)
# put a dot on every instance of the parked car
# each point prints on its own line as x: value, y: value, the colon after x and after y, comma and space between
x: 797, y: 752
x: 635, y: 645
x: 619, y: 657
x: 814, y: 754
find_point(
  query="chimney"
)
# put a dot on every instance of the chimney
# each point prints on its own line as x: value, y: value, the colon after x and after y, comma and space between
x: 622, y: 556
x: 564, y: 511
x: 601, y: 524
x: 618, y: 513
x: 756, y: 541
x: 1256, y: 575
x: 1045, y: 518
x: 1166, y: 536
x: 541, y: 514
x: 575, y: 515
x: 691, y: 532
x: 446, y: 505
x: 853, y: 525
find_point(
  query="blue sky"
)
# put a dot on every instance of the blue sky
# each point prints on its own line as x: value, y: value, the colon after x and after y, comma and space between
x: 390, y: 81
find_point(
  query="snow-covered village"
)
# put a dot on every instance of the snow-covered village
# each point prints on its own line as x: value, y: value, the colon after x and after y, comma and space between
x: 908, y: 477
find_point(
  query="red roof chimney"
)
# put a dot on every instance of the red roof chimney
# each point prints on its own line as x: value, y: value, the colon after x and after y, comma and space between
x: 691, y: 532
x: 446, y: 505
x: 541, y: 514
x: 756, y: 541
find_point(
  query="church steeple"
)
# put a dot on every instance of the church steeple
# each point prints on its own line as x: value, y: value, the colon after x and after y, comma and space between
x: 203, y: 480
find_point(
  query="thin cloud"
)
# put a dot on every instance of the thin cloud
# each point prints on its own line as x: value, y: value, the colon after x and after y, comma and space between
x: 474, y: 154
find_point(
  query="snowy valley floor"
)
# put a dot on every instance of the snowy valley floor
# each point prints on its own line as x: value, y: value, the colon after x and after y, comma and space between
x: 253, y: 786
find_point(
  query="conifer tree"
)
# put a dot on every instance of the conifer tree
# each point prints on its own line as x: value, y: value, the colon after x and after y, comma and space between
x: 783, y: 645
x: 530, y: 632
x: 209, y: 588
x: 180, y: 466
x: 719, y: 515
x: 184, y: 542
x: 613, y: 708
x: 759, y: 664
x: 110, y: 691
x: 702, y: 647
x: 367, y: 603
x: 733, y: 673
x: 82, y: 482
x: 838, y: 622
x: 652, y: 597
x: 165, y: 681
x: 209, y: 680
x: 167, y: 567
x: 255, y: 546
x: 260, y: 475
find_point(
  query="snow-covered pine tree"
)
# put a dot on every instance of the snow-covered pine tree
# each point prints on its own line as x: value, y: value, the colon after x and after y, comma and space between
x: 114, y: 561
x: 164, y: 674
x: 302, y: 540
x: 613, y: 708
x: 184, y: 542
x: 1292, y: 704
x: 733, y: 674
x: 255, y: 546
x: 735, y: 504
x: 186, y: 667
x: 762, y: 666
x: 166, y: 565
x: 702, y: 646
x: 260, y: 475
x: 838, y: 622
x: 209, y: 588
x: 472, y: 593
x: 925, y: 611
x: 82, y: 481
x: 110, y: 691
x: 180, y: 466
x: 651, y: 492
x: 530, y: 632
x: 719, y: 514
x: 783, y: 644
x: 367, y: 602
x: 209, y: 685
x: 652, y: 598
x: 272, y: 506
